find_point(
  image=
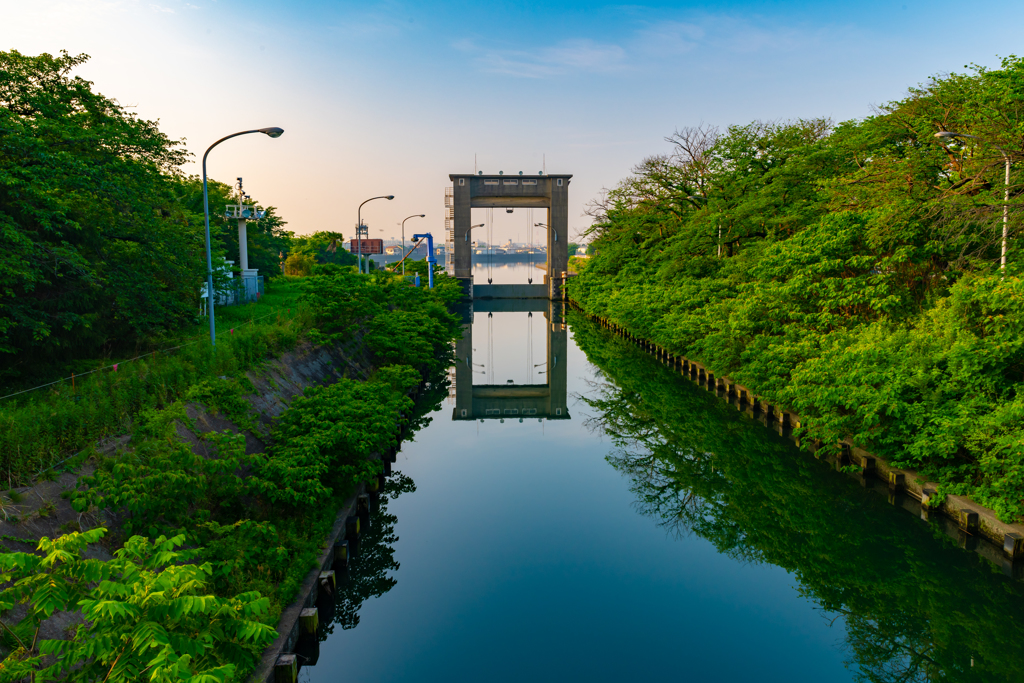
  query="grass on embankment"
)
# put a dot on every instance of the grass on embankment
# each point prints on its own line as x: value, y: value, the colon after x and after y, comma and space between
x: 41, y: 429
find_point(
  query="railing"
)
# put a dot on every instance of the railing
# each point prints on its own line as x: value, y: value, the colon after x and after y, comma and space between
x: 241, y: 290
x: 247, y: 212
x: 449, y: 230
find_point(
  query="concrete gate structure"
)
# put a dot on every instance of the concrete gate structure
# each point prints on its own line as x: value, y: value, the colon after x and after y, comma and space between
x: 481, y: 191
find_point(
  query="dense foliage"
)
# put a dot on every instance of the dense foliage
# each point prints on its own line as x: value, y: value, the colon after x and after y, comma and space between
x: 849, y: 272
x: 914, y: 605
x: 96, y: 245
x: 259, y: 517
x: 147, y: 615
x: 103, y: 235
x: 273, y: 507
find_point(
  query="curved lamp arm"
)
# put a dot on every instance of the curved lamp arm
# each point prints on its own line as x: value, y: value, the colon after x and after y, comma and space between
x: 546, y: 226
x: 415, y: 215
x: 359, y: 225
x: 273, y: 132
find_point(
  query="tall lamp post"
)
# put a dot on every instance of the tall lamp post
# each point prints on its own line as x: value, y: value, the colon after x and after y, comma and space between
x: 359, y: 228
x: 949, y: 135
x: 415, y: 215
x: 272, y: 132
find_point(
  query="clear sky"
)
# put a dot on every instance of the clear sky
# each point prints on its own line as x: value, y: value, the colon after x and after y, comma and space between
x: 390, y: 97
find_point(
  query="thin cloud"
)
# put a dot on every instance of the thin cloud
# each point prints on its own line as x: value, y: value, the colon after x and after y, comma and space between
x: 650, y: 45
x: 389, y: 19
x: 724, y: 32
x: 566, y: 57
x: 669, y: 38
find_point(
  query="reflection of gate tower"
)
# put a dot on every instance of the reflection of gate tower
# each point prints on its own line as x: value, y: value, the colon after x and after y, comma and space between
x: 540, y: 191
x: 243, y: 213
x: 493, y: 401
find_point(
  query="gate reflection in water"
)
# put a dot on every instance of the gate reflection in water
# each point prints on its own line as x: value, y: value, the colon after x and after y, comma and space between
x: 523, y: 556
x: 508, y: 399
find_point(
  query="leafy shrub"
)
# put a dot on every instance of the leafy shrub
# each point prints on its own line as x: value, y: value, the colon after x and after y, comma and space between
x: 147, y: 614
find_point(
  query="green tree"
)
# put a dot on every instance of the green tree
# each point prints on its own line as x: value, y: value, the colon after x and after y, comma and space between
x: 324, y: 247
x: 97, y: 249
x: 146, y: 613
x: 847, y: 271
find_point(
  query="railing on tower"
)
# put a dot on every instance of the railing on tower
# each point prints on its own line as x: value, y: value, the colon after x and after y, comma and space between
x: 449, y: 230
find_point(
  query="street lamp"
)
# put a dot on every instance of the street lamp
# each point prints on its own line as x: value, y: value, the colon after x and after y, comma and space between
x: 471, y: 229
x: 359, y: 228
x: 950, y: 135
x: 272, y: 132
x: 415, y: 215
x: 545, y: 225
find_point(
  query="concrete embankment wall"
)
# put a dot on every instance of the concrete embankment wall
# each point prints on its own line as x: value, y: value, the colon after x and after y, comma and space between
x: 965, y: 519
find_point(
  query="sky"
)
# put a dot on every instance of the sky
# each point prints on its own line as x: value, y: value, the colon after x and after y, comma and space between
x: 390, y: 97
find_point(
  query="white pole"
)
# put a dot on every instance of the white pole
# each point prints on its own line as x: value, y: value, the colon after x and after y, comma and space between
x: 1006, y: 212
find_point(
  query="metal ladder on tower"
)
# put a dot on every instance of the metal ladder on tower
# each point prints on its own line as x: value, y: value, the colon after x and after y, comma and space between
x: 449, y: 230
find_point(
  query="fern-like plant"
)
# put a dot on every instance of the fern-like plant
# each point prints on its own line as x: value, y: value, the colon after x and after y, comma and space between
x: 147, y: 615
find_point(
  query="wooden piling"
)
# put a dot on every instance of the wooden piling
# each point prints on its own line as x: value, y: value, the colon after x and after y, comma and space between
x: 329, y: 581
x: 1013, y: 545
x: 309, y: 621
x: 352, y: 528
x: 968, y: 520
x: 341, y: 555
x: 897, y: 481
x: 868, y: 466
x: 927, y: 494
x: 286, y: 669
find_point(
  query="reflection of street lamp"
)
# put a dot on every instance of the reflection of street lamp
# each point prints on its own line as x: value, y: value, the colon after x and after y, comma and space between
x: 272, y: 132
x: 415, y: 215
x: 359, y: 228
x: 950, y: 135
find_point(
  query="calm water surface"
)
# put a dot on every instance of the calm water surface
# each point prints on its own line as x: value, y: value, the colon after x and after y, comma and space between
x: 645, y: 530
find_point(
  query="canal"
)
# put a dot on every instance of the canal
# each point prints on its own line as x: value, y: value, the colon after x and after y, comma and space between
x: 624, y: 524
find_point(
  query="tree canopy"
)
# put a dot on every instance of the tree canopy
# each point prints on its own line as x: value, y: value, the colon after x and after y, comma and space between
x: 103, y: 233
x: 850, y: 271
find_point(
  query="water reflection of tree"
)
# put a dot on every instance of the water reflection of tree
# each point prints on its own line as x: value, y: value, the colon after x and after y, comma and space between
x: 680, y: 488
x: 370, y: 573
x: 915, y: 607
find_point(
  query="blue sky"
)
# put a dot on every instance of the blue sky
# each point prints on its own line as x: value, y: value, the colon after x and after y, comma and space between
x: 391, y: 97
